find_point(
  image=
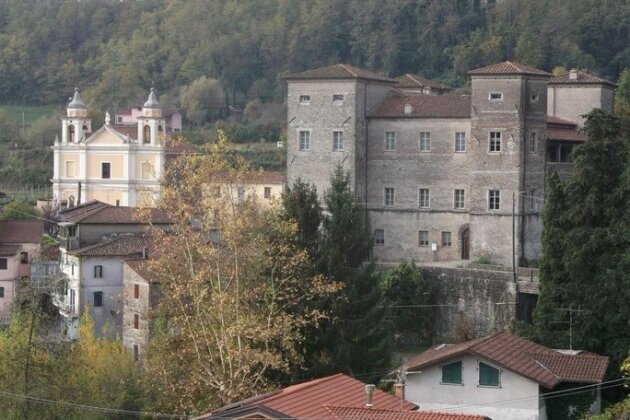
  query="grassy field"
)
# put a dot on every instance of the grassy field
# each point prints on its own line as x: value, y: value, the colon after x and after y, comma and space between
x: 30, y: 113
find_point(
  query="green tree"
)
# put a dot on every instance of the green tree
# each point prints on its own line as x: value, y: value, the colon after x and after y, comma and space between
x: 301, y: 205
x: 622, y: 94
x: 18, y: 209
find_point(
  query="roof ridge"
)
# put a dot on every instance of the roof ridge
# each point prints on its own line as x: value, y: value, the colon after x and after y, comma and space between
x: 106, y: 242
x: 303, y: 385
x: 346, y: 67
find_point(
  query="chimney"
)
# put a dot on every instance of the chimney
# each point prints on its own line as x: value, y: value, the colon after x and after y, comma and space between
x: 369, y: 391
x: 573, y: 74
x: 408, y: 109
x: 399, y: 390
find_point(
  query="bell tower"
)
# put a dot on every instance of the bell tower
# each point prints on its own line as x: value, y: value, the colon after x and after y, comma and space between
x: 151, y: 124
x: 76, y: 123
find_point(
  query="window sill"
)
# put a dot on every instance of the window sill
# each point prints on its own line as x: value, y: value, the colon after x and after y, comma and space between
x: 489, y: 386
x: 446, y: 383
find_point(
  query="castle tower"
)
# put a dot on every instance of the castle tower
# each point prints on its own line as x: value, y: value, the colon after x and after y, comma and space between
x: 327, y: 109
x: 151, y: 125
x: 508, y: 123
x: 76, y: 124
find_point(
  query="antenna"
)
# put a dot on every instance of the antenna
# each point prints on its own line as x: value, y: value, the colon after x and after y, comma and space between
x: 571, y: 321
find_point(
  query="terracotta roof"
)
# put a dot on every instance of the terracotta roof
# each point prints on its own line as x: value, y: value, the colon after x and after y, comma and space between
x: 424, y: 106
x: 417, y: 81
x: 21, y: 231
x: 543, y: 365
x: 125, y: 245
x: 309, y: 399
x: 96, y: 212
x: 50, y: 252
x: 582, y: 78
x: 9, y: 250
x: 128, y: 130
x: 363, y: 413
x: 507, y: 67
x: 565, y: 134
x: 142, y: 268
x: 338, y: 71
x: 559, y: 121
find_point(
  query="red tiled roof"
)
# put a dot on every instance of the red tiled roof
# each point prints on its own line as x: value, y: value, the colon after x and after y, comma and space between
x: 9, y: 250
x: 308, y: 399
x: 21, y: 231
x: 559, y: 121
x: 96, y: 212
x: 128, y: 130
x: 125, y: 245
x: 507, y: 67
x: 142, y: 268
x: 338, y: 71
x: 582, y: 77
x: 565, y: 134
x: 417, y: 81
x: 424, y: 106
x: 363, y: 413
x: 541, y: 364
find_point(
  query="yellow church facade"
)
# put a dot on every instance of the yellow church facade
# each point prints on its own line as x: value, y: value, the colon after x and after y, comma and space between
x: 119, y: 165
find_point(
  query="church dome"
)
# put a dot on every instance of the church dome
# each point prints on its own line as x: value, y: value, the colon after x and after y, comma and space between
x: 152, y: 102
x: 77, y: 102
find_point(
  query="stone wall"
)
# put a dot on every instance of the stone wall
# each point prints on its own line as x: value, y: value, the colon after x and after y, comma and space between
x: 473, y: 302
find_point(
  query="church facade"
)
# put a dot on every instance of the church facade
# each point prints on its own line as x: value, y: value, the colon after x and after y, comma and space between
x: 116, y: 164
x: 442, y: 176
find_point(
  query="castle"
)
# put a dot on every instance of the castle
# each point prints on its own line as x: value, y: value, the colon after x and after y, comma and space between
x: 442, y: 176
x: 118, y: 164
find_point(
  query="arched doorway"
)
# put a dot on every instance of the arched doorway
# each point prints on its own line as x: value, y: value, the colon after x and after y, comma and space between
x: 465, y: 241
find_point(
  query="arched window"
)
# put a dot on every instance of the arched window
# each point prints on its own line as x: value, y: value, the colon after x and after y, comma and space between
x: 146, y: 134
x: 71, y: 133
x: 85, y: 127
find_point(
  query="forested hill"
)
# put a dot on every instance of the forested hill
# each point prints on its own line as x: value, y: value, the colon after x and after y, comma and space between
x: 115, y: 50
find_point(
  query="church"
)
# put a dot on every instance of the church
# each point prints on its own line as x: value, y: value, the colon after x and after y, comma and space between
x: 116, y: 164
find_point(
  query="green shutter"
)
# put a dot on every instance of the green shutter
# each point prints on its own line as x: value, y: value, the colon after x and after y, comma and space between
x: 452, y: 373
x: 488, y: 375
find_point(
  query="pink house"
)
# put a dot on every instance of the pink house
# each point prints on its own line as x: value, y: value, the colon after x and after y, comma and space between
x: 19, y: 244
x: 131, y: 116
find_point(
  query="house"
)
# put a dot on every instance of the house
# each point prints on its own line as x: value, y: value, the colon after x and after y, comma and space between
x: 333, y: 397
x: 443, y: 176
x: 131, y: 116
x: 95, y: 239
x: 501, y: 376
x: 116, y: 164
x: 19, y: 244
x: 141, y: 295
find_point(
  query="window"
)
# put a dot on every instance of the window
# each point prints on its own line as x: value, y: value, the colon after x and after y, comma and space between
x: 70, y: 173
x: 135, y: 352
x: 1, y: 292
x: 146, y: 170
x: 495, y: 96
x: 459, y: 201
x: 305, y: 140
x: 136, y: 321
x: 337, y: 140
x: 305, y: 99
x: 423, y: 198
x: 119, y: 119
x: 452, y: 373
x: 71, y: 134
x: 98, y: 271
x: 72, y: 269
x: 425, y: 142
x: 24, y: 257
x: 488, y: 375
x: 98, y: 299
x: 3, y: 264
x: 533, y: 139
x: 423, y: 238
x: 379, y: 236
x: 136, y: 291
x: 494, y: 200
x: 267, y: 193
x: 338, y: 98
x: 460, y: 142
x: 495, y: 141
x: 106, y: 170
x: 532, y: 200
x: 389, y: 197
x: 390, y: 141
x: 240, y: 191
x: 146, y: 134
x: 72, y: 231
x: 446, y: 238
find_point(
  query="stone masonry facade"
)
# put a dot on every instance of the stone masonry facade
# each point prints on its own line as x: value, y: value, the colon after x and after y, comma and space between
x: 442, y: 176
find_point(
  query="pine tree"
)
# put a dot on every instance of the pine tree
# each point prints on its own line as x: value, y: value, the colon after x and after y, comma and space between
x: 300, y: 204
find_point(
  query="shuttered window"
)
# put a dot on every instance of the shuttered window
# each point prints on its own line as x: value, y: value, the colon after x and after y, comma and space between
x: 452, y: 373
x: 488, y: 375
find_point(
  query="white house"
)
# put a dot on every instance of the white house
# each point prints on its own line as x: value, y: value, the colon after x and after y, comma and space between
x: 501, y: 376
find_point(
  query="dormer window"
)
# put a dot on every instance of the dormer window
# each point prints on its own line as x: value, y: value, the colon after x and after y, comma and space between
x: 495, y: 96
x: 305, y: 99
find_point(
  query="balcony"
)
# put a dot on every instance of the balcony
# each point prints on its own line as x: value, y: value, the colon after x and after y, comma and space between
x: 65, y: 307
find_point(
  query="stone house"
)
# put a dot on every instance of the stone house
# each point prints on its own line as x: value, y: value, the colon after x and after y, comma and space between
x: 19, y: 245
x: 502, y: 376
x: 116, y: 164
x: 141, y: 295
x: 443, y: 176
